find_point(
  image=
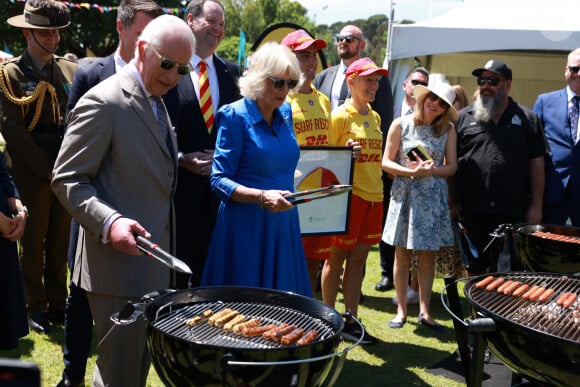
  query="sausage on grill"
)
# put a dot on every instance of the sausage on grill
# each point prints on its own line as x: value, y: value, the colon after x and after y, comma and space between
x: 512, y: 287
x: 308, y: 337
x: 545, y: 295
x: 570, y: 300
x: 257, y: 330
x: 532, y: 290
x: 292, y: 337
x: 495, y: 284
x: 484, y: 282
x: 504, y: 285
x: 519, y: 291
x: 535, y: 295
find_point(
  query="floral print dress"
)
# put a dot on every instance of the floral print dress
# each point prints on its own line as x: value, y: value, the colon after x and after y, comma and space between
x: 418, y: 216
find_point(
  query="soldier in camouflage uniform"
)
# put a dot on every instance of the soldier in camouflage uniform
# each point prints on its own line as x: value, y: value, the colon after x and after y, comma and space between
x: 34, y: 91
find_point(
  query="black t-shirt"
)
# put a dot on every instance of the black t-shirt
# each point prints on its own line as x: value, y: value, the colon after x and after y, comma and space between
x: 493, y: 169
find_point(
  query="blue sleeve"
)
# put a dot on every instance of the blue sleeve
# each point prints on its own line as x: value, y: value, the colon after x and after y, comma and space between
x: 228, y: 152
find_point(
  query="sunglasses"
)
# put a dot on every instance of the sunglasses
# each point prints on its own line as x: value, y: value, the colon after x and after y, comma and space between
x: 573, y: 69
x: 416, y: 82
x: 492, y: 81
x: 434, y: 97
x: 279, y: 82
x: 346, y: 38
x: 168, y: 64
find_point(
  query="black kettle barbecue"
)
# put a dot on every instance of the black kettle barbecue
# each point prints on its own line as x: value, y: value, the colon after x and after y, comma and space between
x: 534, y: 332
x: 203, y: 355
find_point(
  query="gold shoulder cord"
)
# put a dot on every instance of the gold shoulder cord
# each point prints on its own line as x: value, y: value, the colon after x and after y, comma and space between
x: 38, y: 94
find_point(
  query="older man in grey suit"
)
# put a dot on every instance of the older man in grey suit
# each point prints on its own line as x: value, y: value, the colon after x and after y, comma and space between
x: 116, y: 174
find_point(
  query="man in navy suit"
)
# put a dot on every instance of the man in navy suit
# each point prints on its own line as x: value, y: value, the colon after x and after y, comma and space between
x: 563, y: 160
x: 196, y: 206
x: 132, y: 17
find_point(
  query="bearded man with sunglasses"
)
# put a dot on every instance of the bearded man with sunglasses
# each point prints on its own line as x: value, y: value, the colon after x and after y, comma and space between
x: 116, y: 174
x: 558, y: 112
x: 500, y: 151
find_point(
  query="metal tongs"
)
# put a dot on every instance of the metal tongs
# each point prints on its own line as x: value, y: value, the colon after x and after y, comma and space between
x: 153, y: 250
x: 318, y: 193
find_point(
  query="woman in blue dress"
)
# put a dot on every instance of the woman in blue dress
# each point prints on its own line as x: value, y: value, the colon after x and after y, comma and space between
x: 418, y: 218
x: 256, y: 240
x: 13, y: 215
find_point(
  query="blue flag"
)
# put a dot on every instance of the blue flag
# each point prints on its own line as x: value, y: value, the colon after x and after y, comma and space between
x: 242, y: 50
x: 7, y: 49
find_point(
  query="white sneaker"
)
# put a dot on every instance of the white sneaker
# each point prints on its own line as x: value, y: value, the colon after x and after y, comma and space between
x: 412, y: 297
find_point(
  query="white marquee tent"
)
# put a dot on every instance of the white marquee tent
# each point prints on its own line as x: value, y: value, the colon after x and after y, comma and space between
x: 532, y: 36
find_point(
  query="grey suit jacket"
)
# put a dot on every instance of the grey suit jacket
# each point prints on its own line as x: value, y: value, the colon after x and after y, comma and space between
x: 115, y: 159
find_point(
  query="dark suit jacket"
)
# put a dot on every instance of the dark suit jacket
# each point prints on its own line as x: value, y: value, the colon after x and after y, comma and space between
x: 88, y: 76
x: 563, y: 159
x: 196, y: 206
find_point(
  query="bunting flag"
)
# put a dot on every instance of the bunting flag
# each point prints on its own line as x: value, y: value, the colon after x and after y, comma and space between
x: 242, y: 50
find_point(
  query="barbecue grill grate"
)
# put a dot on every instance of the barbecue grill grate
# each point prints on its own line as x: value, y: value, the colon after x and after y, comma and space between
x: 171, y: 319
x: 545, y: 317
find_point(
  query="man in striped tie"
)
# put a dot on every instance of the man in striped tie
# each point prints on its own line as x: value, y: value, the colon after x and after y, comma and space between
x: 191, y: 106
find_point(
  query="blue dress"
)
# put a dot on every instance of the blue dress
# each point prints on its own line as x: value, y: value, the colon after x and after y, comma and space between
x: 418, y: 216
x: 251, y: 246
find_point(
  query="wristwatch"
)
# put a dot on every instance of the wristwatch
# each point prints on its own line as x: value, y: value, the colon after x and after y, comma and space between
x: 21, y: 209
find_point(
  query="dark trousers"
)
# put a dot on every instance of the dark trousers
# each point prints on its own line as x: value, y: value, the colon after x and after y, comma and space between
x: 78, y: 323
x: 479, y: 227
x: 387, y: 252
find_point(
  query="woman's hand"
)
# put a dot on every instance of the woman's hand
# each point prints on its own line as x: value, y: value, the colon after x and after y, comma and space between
x: 13, y: 229
x: 274, y: 201
x: 356, y: 148
x: 421, y: 168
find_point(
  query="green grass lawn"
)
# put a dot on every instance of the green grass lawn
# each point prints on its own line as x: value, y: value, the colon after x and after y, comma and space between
x: 399, y: 359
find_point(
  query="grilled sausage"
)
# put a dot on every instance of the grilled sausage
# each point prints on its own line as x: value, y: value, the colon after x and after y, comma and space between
x: 535, y: 295
x: 532, y: 290
x: 495, y: 284
x: 512, y: 287
x: 308, y: 338
x: 248, y: 324
x: 519, y: 291
x: 229, y: 326
x: 570, y: 300
x: 504, y: 285
x: 257, y: 330
x: 218, y: 315
x: 269, y: 334
x: 292, y: 337
x: 562, y: 298
x: 200, y: 318
x: 484, y: 282
x: 278, y: 334
x: 545, y: 295
x: 220, y: 322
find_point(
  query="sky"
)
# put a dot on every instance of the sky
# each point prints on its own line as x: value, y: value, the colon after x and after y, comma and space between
x: 332, y: 11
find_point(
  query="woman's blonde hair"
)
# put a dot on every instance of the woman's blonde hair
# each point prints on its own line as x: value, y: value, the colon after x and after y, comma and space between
x: 270, y: 60
x: 461, y: 96
x: 441, y: 124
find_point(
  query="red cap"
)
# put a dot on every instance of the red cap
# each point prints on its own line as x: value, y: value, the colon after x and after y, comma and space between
x: 301, y: 40
x: 364, y: 66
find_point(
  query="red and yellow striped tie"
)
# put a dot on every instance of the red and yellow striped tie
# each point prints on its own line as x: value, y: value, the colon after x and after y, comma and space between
x: 205, y: 101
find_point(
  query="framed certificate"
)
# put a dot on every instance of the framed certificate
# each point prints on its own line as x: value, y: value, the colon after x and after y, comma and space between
x: 321, y: 167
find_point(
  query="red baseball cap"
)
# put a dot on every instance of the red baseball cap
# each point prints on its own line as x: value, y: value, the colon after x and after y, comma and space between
x: 364, y: 66
x: 301, y: 40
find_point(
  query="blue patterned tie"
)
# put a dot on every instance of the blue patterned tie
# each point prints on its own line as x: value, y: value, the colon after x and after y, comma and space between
x: 163, y: 122
x: 573, y: 108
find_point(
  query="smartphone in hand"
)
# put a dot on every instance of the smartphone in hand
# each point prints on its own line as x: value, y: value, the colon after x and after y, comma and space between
x: 421, y: 152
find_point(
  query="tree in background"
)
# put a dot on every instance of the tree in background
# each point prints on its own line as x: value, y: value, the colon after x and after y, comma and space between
x: 93, y: 26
